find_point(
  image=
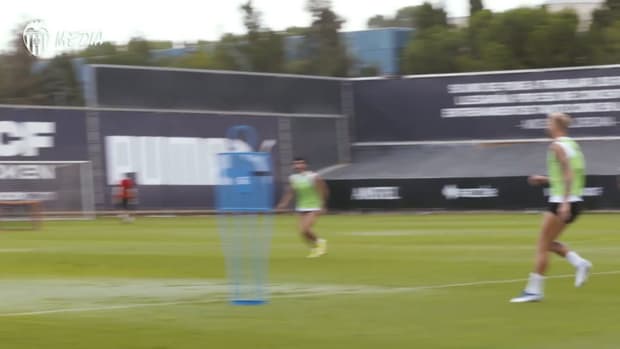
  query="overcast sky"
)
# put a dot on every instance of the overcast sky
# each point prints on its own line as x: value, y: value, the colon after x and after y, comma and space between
x: 190, y: 20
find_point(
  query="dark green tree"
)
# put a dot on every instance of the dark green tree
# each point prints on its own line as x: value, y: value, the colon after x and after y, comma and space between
x: 597, y: 37
x: 553, y: 43
x: 606, y: 15
x: 435, y: 51
x: 478, y: 26
x: 139, y: 47
x: 103, y: 50
x: 323, y: 50
x: 226, y: 55
x: 475, y: 6
x: 406, y: 17
x: 263, y: 49
x: 196, y: 60
x: 137, y: 52
x: 420, y: 17
x: 369, y: 70
x: 25, y: 79
x: 295, y: 31
x: 18, y: 84
x: 606, y: 46
x: 426, y: 17
x: 491, y: 56
x: 513, y: 28
x: 380, y: 21
x: 516, y: 39
x: 58, y: 83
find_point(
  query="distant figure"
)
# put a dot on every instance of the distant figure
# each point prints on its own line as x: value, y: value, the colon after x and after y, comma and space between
x: 566, y: 177
x: 126, y: 194
x: 310, y: 192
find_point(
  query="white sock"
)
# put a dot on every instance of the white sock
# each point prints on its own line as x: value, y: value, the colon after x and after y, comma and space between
x: 535, y: 284
x: 574, y: 259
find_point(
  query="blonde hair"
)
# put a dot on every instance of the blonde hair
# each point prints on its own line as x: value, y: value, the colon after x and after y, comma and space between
x: 562, y: 120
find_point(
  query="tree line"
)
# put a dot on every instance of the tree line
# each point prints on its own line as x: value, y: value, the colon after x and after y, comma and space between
x: 522, y: 38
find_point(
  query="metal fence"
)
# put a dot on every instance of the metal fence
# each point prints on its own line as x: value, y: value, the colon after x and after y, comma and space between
x: 166, y: 124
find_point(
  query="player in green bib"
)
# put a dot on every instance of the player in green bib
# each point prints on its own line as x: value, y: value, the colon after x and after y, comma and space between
x: 310, y: 192
x: 566, y: 180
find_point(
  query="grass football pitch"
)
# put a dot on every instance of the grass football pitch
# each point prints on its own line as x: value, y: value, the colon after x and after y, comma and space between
x: 389, y: 281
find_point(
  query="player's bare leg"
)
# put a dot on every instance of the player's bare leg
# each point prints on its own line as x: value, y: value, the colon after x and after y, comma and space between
x: 552, y: 228
x: 582, y: 265
x: 559, y: 248
x: 549, y: 231
x: 307, y: 222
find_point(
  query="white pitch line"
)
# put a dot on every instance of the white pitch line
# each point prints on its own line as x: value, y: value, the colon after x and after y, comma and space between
x: 106, y: 308
x: 307, y: 293
x: 16, y: 250
x: 379, y: 290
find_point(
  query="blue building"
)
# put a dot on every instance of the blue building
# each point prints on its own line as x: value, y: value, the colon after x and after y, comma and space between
x: 379, y: 48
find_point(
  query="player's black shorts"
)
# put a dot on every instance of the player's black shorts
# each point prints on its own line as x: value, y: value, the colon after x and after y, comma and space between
x: 575, y: 210
x: 125, y: 204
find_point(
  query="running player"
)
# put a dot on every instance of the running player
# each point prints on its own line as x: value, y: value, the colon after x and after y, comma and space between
x: 310, y: 192
x: 126, y: 194
x: 566, y: 178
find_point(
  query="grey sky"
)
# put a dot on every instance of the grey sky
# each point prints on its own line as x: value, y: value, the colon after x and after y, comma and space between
x: 189, y: 20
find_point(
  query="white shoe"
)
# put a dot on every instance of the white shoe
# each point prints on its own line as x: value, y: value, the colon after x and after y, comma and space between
x: 322, y: 246
x: 319, y: 250
x: 583, y: 272
x: 315, y: 253
x: 527, y: 298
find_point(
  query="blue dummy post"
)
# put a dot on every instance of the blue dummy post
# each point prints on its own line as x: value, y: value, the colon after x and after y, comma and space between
x: 244, y: 202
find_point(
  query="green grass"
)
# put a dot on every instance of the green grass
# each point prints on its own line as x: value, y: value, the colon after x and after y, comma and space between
x: 158, y: 283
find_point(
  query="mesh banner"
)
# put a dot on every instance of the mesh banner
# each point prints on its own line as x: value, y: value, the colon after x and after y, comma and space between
x: 174, y: 155
x: 60, y: 187
x: 42, y: 134
x: 205, y: 90
x: 487, y: 106
x: 498, y: 193
x: 316, y: 140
